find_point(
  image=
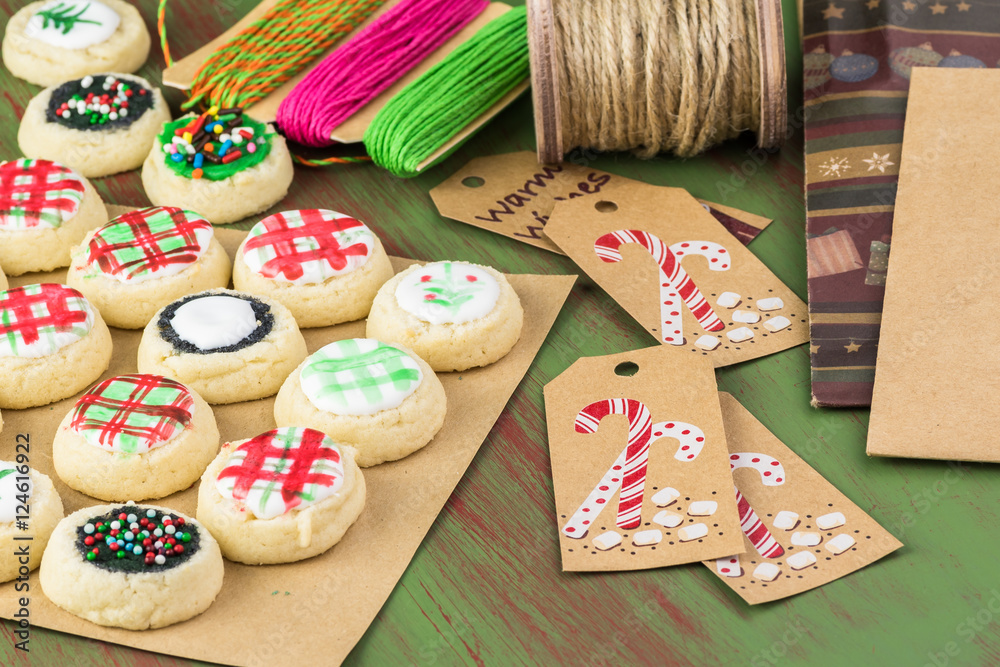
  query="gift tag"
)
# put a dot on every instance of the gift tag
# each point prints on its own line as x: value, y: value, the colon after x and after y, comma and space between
x: 513, y: 195
x: 639, y: 462
x: 800, y: 532
x: 677, y: 271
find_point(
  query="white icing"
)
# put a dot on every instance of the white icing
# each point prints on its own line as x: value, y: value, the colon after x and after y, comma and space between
x: 468, y: 293
x: 215, y: 321
x: 90, y: 22
x: 9, y: 492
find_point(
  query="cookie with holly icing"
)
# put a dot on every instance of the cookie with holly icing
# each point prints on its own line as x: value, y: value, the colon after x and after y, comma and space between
x: 135, y: 437
x: 226, y: 345
x: 98, y: 125
x: 223, y: 164
x: 382, y: 399
x: 326, y: 267
x: 131, y: 566
x: 53, y: 343
x: 144, y: 259
x: 30, y: 508
x: 45, y: 210
x: 282, y: 496
x: 454, y: 315
x: 51, y: 41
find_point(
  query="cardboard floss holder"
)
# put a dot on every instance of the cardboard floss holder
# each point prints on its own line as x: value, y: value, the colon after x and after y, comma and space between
x: 639, y: 462
x: 805, y: 532
x: 934, y: 358
x: 181, y: 74
x: 512, y: 195
x: 281, y: 613
x: 679, y: 273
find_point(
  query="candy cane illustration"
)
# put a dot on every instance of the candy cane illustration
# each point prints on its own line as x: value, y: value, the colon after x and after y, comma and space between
x: 771, y: 474
x: 628, y: 472
x: 674, y: 280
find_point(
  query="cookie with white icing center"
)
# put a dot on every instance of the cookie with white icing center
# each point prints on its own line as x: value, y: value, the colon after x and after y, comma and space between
x: 51, y: 41
x: 144, y: 259
x: 225, y: 345
x: 282, y: 496
x: 454, y: 315
x: 326, y: 267
x: 45, y: 210
x: 381, y: 399
x: 21, y: 489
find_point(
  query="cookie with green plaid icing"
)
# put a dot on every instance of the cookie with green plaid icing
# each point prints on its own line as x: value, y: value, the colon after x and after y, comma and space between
x: 136, y: 436
x: 45, y: 210
x: 144, y: 259
x: 53, y: 343
x: 380, y: 398
x: 326, y: 267
x: 284, y: 495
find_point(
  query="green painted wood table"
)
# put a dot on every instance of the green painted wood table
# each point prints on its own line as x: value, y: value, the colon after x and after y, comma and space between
x: 486, y: 588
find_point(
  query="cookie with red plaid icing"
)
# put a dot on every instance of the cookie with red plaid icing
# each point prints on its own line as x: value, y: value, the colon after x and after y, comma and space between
x: 98, y: 125
x: 53, y: 343
x: 45, y: 210
x: 144, y: 259
x: 285, y: 495
x: 324, y: 266
x: 135, y: 437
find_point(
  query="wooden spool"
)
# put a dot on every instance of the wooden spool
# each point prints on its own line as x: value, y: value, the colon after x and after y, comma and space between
x: 544, y: 49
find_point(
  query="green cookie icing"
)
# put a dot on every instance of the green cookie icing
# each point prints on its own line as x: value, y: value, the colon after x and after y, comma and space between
x: 218, y: 172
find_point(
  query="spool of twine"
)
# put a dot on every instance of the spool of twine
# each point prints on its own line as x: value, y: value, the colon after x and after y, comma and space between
x: 370, y: 62
x: 654, y: 76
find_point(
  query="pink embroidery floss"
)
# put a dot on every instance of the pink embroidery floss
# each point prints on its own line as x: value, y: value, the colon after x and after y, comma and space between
x: 378, y: 56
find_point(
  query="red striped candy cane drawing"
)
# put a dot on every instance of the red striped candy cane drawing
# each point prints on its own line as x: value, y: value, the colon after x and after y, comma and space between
x: 628, y: 472
x: 771, y: 474
x: 674, y: 280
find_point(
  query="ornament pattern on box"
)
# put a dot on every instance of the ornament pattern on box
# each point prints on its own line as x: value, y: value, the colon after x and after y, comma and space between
x: 37, y: 194
x: 627, y: 475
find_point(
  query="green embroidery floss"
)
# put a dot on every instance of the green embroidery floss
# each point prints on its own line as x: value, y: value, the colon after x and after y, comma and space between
x: 426, y: 114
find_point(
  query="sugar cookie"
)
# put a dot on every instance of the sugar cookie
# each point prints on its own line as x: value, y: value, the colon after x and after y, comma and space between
x: 381, y: 399
x: 97, y: 125
x: 285, y: 495
x: 224, y: 165
x: 225, y: 345
x: 49, y: 42
x: 135, y: 437
x: 23, y: 489
x: 454, y: 315
x: 53, y: 343
x: 99, y: 567
x: 325, y: 267
x: 45, y: 210
x: 142, y: 260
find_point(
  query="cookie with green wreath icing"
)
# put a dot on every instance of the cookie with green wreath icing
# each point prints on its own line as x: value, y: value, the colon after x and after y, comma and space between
x: 131, y: 566
x: 52, y: 41
x: 455, y: 315
x: 45, y: 209
x: 135, y: 436
x: 98, y: 124
x: 53, y: 343
x: 326, y: 267
x: 144, y: 259
x: 226, y: 345
x: 30, y: 508
x: 282, y: 496
x: 221, y: 163
x: 380, y: 398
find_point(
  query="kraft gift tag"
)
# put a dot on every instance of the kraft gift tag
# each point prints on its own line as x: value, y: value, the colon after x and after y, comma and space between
x: 936, y: 387
x: 800, y: 532
x: 639, y: 462
x: 679, y: 273
x: 513, y: 195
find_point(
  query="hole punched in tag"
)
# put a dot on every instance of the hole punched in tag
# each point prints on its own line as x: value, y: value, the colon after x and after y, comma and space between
x: 473, y: 182
x: 605, y: 206
x: 626, y: 369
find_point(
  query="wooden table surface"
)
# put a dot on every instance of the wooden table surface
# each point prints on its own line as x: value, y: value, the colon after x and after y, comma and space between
x: 486, y: 588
